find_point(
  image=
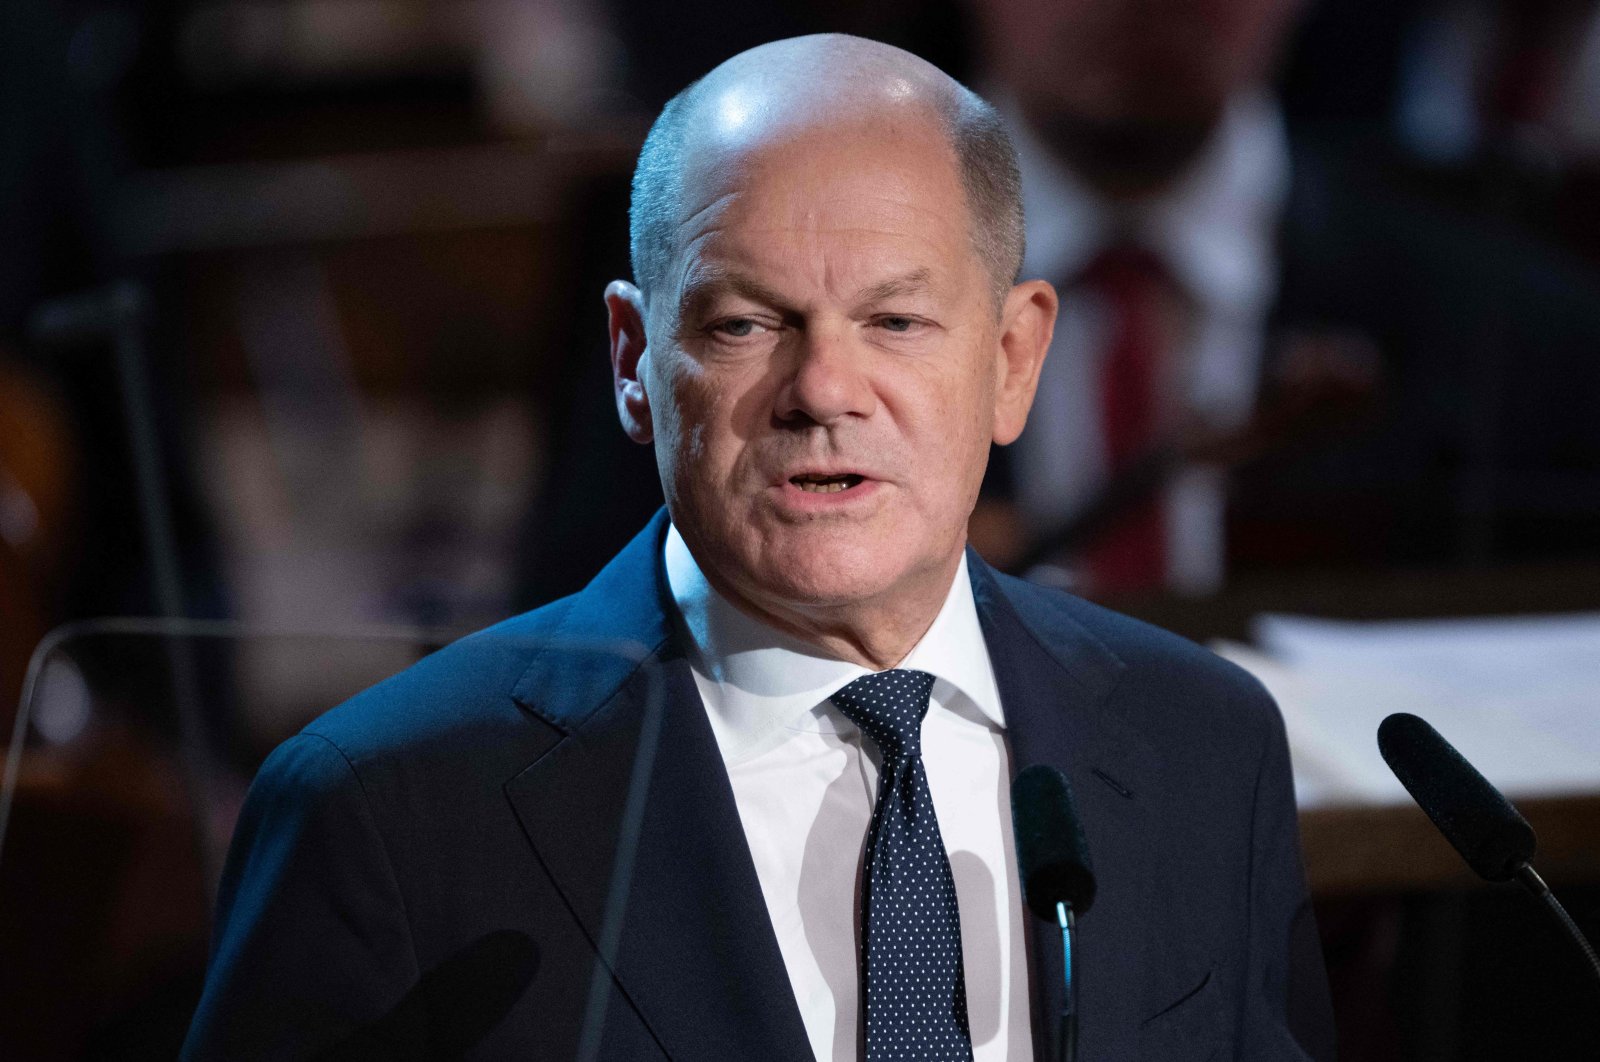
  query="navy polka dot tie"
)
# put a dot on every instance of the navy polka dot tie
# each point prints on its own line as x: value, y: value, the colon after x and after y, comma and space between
x: 912, y: 980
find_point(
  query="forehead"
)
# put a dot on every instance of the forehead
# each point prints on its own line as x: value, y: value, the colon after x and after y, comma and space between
x: 883, y: 188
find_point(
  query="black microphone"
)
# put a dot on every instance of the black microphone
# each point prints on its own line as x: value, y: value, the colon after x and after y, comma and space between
x: 1052, y: 855
x: 1057, y: 875
x: 1491, y: 835
x: 1474, y: 816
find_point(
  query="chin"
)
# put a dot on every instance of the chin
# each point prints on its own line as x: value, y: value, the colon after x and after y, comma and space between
x: 829, y: 569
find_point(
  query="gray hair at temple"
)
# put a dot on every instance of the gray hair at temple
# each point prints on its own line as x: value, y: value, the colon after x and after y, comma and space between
x: 983, y: 150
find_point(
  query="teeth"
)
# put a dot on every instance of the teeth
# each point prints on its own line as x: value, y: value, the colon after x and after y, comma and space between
x: 826, y: 484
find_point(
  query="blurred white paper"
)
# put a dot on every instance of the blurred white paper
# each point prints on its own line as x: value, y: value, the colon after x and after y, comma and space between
x: 1519, y: 697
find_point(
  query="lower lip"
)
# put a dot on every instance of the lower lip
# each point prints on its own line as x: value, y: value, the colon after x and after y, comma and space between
x: 808, y: 501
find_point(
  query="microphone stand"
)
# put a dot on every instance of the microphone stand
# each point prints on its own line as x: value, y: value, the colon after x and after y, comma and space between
x: 1529, y: 879
x: 1067, y: 1040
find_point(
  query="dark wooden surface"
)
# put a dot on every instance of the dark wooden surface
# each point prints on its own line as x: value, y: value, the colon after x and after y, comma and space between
x: 1377, y: 595
x: 1396, y: 849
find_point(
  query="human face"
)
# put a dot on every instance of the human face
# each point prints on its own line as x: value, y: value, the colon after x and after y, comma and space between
x: 1132, y: 61
x: 825, y: 368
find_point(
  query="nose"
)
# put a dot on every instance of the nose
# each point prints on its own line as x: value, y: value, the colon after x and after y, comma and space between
x: 827, y: 380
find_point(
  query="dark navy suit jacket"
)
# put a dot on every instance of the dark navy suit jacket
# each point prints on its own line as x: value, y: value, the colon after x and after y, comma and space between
x: 526, y: 847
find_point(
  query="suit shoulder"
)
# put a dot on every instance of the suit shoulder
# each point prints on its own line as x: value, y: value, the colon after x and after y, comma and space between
x: 458, y: 698
x: 305, y: 764
x: 1150, y: 659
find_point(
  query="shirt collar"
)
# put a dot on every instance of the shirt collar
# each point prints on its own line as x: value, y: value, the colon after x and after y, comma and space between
x: 1215, y: 229
x: 758, y: 681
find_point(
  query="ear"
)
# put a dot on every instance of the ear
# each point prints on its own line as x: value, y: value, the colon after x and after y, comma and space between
x: 1027, y: 321
x: 625, y: 309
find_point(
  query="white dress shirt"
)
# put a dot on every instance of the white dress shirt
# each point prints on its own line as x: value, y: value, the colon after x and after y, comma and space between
x: 1215, y: 231
x: 805, y: 782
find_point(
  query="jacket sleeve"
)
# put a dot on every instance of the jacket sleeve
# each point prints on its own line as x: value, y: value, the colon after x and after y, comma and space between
x: 1286, y: 1012
x: 311, y: 948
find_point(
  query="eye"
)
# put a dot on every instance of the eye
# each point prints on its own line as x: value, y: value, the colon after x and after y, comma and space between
x: 736, y: 327
x: 900, y: 324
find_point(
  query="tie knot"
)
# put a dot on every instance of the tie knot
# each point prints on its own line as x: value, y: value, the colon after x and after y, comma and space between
x: 888, y: 707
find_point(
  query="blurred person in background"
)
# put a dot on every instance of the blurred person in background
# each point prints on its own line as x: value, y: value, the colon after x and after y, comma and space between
x: 1268, y: 353
x: 1274, y: 349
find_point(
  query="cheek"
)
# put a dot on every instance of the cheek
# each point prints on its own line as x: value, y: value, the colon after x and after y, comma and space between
x: 972, y: 397
x: 707, y: 423
x: 675, y: 411
x: 954, y: 426
x: 979, y: 423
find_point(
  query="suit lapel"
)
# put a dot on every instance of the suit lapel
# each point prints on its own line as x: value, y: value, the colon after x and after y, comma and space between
x: 1057, y: 685
x: 632, y: 816
x: 675, y: 907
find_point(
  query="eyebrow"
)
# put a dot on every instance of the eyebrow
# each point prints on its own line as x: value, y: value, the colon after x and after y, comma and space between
x: 913, y: 283
x: 708, y: 280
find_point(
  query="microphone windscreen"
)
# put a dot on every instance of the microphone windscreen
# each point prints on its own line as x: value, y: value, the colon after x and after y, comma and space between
x: 1491, y: 835
x: 1052, y: 855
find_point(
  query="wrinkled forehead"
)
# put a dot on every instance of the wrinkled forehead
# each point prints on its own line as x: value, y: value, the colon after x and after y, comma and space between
x: 867, y: 172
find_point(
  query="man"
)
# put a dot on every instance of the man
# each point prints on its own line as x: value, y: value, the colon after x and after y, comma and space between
x: 1410, y: 386
x: 645, y: 821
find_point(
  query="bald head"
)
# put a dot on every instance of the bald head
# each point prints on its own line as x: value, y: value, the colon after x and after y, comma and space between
x: 787, y: 89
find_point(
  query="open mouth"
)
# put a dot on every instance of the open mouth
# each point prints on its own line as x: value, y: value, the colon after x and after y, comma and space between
x: 826, y: 484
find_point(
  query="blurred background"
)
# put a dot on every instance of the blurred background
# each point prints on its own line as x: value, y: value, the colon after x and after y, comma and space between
x: 303, y: 372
